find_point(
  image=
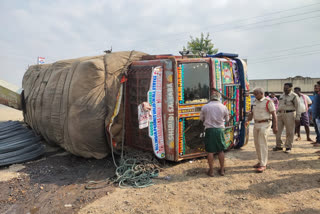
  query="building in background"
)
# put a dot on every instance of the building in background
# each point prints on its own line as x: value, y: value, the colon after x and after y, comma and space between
x: 10, y: 95
x: 276, y: 85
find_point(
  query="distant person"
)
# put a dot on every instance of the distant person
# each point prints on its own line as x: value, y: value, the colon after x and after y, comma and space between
x: 288, y: 115
x: 266, y: 94
x: 314, y: 93
x: 274, y: 99
x: 263, y: 112
x: 305, y: 103
x: 316, y: 113
x: 315, y: 89
x: 214, y: 115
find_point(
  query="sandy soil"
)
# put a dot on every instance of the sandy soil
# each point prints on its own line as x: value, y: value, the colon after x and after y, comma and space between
x: 56, y: 184
x: 7, y: 113
x: 291, y: 184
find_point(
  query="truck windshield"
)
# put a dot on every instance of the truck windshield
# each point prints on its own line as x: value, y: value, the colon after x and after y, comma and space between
x: 195, y: 77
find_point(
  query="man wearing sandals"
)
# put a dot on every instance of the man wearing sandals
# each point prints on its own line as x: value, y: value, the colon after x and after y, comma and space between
x: 288, y: 115
x: 214, y: 114
x: 263, y: 112
x: 305, y: 103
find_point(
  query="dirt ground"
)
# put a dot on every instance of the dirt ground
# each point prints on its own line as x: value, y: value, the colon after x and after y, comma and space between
x: 7, y: 113
x: 56, y: 184
x: 291, y: 184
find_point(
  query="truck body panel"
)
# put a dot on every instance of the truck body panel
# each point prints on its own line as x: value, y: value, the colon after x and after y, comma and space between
x: 176, y: 89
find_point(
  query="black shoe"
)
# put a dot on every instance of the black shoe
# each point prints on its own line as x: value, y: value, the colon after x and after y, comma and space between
x: 288, y: 150
x: 277, y: 149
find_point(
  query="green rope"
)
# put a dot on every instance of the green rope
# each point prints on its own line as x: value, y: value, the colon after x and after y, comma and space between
x: 132, y: 172
x: 136, y: 175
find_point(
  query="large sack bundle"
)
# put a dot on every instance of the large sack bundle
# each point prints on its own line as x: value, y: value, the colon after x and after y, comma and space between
x: 69, y: 102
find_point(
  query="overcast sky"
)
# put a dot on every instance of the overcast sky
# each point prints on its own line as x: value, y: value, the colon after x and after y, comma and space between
x: 280, y: 38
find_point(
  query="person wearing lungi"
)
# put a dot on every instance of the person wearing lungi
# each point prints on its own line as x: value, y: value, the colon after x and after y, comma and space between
x: 214, y: 115
x: 264, y: 114
x: 305, y: 103
x: 288, y: 115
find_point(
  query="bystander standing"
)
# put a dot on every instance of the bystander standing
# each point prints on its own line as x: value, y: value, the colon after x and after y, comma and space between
x: 214, y: 115
x: 316, y: 113
x: 288, y: 115
x: 274, y: 100
x: 304, y: 105
x: 263, y: 112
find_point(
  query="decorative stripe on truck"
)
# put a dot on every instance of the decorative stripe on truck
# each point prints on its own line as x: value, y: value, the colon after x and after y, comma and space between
x: 156, y: 125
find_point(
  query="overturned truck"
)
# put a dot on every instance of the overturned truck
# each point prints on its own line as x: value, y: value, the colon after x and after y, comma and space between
x: 92, y: 105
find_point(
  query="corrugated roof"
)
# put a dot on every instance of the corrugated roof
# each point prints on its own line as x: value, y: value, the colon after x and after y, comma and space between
x: 10, y: 86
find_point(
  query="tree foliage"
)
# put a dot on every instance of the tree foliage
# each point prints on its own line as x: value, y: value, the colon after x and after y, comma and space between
x: 201, y: 46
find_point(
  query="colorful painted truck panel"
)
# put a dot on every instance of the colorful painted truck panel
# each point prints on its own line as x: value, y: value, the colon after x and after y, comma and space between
x: 176, y: 88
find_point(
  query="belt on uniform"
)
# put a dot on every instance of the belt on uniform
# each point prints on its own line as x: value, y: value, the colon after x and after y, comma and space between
x: 287, y: 111
x: 261, y: 121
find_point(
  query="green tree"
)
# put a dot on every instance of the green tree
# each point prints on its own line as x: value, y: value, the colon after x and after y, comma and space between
x: 201, y: 46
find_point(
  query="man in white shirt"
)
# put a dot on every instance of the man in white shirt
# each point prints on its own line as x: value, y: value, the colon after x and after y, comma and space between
x: 214, y: 115
x: 305, y: 102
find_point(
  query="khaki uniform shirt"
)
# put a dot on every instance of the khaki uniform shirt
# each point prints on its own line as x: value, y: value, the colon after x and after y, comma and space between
x: 289, y: 102
x: 260, y: 110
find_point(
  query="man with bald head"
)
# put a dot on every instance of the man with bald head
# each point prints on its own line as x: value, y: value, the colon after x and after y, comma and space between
x: 264, y: 114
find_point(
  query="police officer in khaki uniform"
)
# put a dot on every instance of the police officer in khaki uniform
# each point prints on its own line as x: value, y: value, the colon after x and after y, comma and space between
x: 288, y: 116
x: 263, y: 112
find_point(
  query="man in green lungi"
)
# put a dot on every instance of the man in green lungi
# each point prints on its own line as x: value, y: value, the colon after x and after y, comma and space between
x: 214, y: 114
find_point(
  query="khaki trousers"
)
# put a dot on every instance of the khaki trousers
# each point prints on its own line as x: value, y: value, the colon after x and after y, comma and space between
x: 286, y: 120
x: 260, y: 135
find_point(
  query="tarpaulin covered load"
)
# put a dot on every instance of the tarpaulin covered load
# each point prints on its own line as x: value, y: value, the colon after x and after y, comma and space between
x: 71, y: 101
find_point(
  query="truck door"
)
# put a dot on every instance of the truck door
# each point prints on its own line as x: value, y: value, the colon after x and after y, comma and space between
x: 246, y: 102
x: 193, y: 78
x: 151, y: 81
x: 232, y: 81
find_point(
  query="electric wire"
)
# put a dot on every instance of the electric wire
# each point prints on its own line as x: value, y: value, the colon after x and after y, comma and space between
x: 228, y: 23
x: 284, y: 57
x: 282, y: 50
x: 289, y: 21
x: 165, y: 42
x: 277, y: 56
